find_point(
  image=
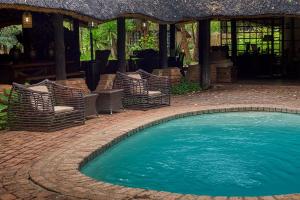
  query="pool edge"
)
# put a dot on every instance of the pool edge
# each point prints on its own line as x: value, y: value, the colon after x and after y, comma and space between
x: 62, y: 173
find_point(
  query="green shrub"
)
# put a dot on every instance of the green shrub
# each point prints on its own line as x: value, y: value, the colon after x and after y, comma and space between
x: 185, y: 87
x: 3, y: 109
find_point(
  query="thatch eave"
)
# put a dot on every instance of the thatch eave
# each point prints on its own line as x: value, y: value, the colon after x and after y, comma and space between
x: 162, y: 11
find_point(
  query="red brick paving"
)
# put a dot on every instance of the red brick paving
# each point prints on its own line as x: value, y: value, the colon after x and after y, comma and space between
x: 20, y: 151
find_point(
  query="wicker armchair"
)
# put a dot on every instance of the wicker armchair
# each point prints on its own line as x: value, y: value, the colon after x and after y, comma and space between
x: 143, y: 90
x: 46, y: 106
x: 89, y: 98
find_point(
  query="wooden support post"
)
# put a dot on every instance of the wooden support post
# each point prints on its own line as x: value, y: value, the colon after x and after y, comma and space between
x: 76, y: 42
x: 163, y: 45
x: 233, y: 42
x: 59, y: 43
x: 204, y: 50
x: 293, y: 41
x: 27, y: 41
x: 91, y: 43
x: 272, y: 33
x: 172, y: 40
x: 121, y: 44
x: 283, y: 53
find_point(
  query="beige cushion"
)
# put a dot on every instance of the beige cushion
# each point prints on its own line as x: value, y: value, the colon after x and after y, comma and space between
x: 40, y: 88
x: 40, y: 102
x: 135, y: 75
x: 154, y: 93
x: 137, y: 87
x: 62, y: 109
x: 78, y: 83
x: 106, y: 82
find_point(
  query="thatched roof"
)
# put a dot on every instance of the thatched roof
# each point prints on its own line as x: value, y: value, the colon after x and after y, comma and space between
x: 163, y: 10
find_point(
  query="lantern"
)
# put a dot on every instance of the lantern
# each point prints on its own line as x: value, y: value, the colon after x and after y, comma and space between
x: 27, y: 20
x: 144, y: 25
x: 91, y: 24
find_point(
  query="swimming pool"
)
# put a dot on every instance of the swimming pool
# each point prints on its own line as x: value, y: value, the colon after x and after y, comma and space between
x: 227, y: 154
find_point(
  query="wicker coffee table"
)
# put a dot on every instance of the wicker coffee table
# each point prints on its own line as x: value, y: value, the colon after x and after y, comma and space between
x: 109, y: 101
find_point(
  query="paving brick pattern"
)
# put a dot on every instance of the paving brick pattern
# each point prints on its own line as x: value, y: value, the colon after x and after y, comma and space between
x: 45, y: 165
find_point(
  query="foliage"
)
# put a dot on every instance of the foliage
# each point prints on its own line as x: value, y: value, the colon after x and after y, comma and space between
x: 104, y: 37
x: 146, y: 42
x: 8, y: 36
x: 84, y: 43
x: 3, y: 109
x: 185, y: 87
x: 215, y: 27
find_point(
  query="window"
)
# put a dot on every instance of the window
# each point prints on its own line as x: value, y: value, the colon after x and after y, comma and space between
x: 262, y: 36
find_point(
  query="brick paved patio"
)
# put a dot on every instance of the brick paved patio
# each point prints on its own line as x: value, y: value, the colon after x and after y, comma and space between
x: 29, y: 159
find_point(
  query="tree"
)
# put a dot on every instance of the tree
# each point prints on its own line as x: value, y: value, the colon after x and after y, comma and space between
x: 185, y: 43
x: 104, y: 37
x: 8, y: 36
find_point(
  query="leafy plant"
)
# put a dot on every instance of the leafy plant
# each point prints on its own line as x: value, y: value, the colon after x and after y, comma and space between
x: 3, y: 109
x: 104, y: 37
x: 148, y: 41
x: 9, y: 36
x: 185, y: 87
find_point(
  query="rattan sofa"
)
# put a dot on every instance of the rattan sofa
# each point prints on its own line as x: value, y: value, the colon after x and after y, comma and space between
x: 143, y: 90
x: 46, y: 106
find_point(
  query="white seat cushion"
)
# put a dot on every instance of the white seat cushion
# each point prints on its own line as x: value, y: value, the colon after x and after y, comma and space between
x: 62, y: 109
x: 154, y: 93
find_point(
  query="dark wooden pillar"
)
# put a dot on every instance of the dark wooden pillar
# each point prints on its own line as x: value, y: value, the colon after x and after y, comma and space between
x: 204, y: 49
x: 121, y: 44
x: 91, y: 43
x: 233, y: 42
x: 27, y: 41
x: 59, y: 43
x: 163, y: 45
x: 76, y: 42
x: 292, y: 35
x: 283, y: 55
x: 172, y: 40
x: 272, y: 33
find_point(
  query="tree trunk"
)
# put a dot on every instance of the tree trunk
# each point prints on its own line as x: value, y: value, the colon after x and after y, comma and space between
x: 113, y: 47
x: 184, y: 43
x: 196, y: 41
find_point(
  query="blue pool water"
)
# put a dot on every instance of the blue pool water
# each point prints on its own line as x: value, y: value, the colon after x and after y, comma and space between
x: 244, y: 154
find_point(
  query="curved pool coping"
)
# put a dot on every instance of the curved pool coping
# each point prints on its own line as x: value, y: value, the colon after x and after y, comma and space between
x: 60, y: 171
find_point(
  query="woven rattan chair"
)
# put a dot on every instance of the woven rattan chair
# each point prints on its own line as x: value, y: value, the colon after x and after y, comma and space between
x: 143, y: 90
x: 89, y: 98
x: 46, y: 106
